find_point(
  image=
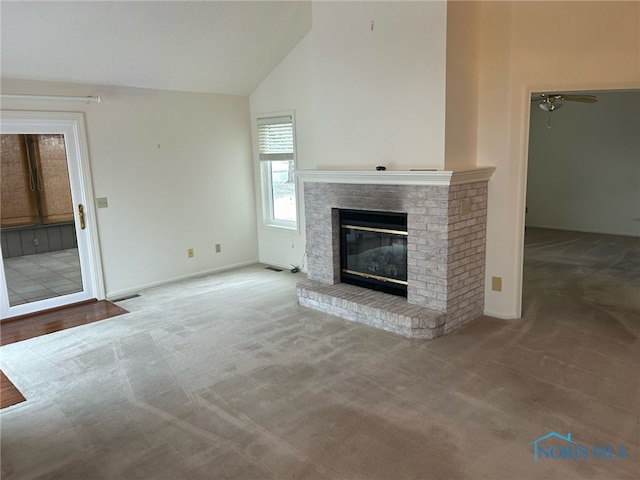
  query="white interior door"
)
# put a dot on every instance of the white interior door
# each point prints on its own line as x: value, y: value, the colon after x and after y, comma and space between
x: 88, y: 277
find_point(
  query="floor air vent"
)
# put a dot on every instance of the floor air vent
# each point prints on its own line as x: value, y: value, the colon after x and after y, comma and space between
x: 135, y: 295
x: 275, y: 269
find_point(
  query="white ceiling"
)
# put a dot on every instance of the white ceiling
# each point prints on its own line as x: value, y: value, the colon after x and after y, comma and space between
x: 196, y: 46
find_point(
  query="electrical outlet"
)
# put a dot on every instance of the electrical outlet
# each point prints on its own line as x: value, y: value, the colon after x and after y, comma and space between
x: 496, y: 284
x: 218, y: 248
x: 465, y: 206
x: 190, y: 252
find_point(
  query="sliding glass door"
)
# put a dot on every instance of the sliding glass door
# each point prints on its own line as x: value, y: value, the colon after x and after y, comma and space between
x: 49, y: 247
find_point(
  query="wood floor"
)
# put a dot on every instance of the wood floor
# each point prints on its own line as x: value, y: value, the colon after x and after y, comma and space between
x: 9, y: 394
x: 35, y: 325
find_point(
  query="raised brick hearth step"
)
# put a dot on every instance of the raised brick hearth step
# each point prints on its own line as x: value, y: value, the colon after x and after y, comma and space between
x: 369, y: 307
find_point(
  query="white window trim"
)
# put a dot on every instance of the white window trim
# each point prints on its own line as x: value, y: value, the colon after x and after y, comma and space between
x: 265, y: 180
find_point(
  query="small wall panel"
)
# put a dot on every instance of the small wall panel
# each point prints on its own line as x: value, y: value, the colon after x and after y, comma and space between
x: 26, y: 241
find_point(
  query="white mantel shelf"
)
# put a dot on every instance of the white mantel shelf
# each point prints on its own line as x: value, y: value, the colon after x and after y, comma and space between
x: 391, y: 177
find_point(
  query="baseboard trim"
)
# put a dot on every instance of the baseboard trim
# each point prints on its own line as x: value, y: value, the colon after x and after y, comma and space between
x: 501, y: 316
x: 585, y: 230
x: 132, y: 291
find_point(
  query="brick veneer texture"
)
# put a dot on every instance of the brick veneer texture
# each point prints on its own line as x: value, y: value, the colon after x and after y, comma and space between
x: 445, y: 260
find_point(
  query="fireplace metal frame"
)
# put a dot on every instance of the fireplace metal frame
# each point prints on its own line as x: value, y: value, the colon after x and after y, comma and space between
x: 376, y: 221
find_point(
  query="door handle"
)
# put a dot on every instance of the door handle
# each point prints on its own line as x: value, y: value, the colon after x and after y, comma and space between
x: 81, y: 215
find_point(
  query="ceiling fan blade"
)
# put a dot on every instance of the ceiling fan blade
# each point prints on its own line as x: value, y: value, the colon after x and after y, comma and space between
x: 561, y: 97
x: 580, y: 98
x: 545, y: 97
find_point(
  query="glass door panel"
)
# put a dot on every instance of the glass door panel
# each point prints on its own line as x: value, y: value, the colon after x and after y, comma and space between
x: 40, y: 248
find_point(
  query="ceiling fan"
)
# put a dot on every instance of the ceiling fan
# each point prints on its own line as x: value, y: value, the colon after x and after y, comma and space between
x: 550, y: 102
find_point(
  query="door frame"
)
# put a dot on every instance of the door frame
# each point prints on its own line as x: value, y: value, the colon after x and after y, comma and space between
x: 72, y: 126
x: 523, y: 162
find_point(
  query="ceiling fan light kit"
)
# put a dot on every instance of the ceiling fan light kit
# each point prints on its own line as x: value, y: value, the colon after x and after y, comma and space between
x: 549, y: 106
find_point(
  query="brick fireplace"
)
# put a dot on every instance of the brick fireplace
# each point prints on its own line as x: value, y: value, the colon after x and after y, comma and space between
x: 446, y: 224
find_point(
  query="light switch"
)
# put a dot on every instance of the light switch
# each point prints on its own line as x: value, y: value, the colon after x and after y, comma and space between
x: 102, y: 202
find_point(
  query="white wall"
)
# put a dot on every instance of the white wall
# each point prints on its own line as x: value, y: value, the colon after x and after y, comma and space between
x: 584, y: 172
x: 531, y: 47
x: 461, y: 122
x: 287, y: 88
x: 194, y: 191
x: 362, y: 98
x: 379, y: 96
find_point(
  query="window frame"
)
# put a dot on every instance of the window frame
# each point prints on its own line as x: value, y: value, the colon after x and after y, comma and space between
x: 266, y: 178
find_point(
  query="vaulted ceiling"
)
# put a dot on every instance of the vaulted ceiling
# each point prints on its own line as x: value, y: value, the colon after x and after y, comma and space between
x: 196, y: 46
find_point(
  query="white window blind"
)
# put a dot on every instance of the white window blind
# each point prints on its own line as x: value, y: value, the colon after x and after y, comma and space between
x: 275, y: 138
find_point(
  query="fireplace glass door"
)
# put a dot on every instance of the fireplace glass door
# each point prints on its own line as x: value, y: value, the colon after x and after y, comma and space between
x: 374, y: 250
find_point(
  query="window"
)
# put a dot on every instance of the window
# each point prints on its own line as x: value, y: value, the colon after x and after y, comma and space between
x: 277, y: 161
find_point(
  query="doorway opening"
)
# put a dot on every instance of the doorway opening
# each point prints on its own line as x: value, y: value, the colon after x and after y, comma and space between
x: 582, y: 217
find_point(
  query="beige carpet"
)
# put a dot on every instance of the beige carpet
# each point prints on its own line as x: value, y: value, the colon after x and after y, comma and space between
x: 226, y: 377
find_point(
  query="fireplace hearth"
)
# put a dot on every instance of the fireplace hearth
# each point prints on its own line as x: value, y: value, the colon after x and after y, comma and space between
x: 373, y: 250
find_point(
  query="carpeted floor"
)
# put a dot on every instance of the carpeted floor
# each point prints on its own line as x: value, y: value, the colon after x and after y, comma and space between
x: 227, y: 377
x: 33, y: 325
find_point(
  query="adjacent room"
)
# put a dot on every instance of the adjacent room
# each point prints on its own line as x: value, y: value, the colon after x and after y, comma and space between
x: 309, y: 239
x: 583, y: 192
